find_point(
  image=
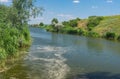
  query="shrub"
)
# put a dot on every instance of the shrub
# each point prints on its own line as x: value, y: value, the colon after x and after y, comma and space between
x: 49, y: 28
x: 93, y: 34
x: 93, y: 21
x: 118, y: 38
x: 26, y: 33
x: 70, y: 30
x: 10, y: 37
x: 80, y: 31
x: 110, y: 35
x: 41, y: 24
x: 3, y: 54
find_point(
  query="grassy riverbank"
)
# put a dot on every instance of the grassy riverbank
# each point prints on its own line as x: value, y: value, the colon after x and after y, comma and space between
x: 14, y: 32
x: 13, y: 38
x: 94, y: 26
x: 12, y: 42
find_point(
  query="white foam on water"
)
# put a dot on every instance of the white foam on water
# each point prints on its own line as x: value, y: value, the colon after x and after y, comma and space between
x: 55, y: 67
x: 44, y: 48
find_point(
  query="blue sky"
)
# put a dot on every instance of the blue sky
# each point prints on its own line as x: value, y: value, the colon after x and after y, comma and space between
x: 70, y: 9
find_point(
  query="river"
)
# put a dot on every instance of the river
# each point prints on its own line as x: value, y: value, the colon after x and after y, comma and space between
x: 62, y: 56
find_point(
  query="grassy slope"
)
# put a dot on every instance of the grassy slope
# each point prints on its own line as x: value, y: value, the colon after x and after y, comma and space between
x: 109, y: 24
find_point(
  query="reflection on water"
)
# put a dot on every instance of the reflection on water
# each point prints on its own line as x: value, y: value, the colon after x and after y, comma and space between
x: 60, y: 56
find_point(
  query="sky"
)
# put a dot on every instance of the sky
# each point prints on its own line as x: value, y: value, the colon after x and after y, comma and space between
x: 70, y: 9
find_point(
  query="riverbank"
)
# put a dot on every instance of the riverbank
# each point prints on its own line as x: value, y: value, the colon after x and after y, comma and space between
x: 14, y: 31
x: 13, y: 42
x: 9, y: 62
x: 94, y: 26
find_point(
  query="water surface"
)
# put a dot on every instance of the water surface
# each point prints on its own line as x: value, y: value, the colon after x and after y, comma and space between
x: 61, y: 56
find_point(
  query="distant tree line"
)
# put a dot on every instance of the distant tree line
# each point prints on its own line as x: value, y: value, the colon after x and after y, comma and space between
x: 85, y: 28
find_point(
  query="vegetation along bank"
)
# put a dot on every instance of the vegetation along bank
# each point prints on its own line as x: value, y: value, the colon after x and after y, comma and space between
x: 94, y: 26
x: 14, y: 32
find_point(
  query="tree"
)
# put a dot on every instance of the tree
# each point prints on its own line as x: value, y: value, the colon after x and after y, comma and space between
x: 41, y: 24
x: 65, y: 23
x: 110, y: 35
x: 3, y: 13
x: 24, y: 9
x: 93, y: 21
x: 78, y: 19
x: 118, y: 38
x: 73, y: 23
x: 54, y: 21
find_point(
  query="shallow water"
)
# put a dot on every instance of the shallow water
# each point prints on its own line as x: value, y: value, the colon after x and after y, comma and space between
x: 61, y: 56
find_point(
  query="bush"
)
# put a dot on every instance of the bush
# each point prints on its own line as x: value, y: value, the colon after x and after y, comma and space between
x: 93, y: 34
x: 80, y: 31
x: 26, y: 33
x: 110, y: 35
x: 10, y: 38
x: 118, y: 38
x: 3, y: 54
x: 93, y: 21
x: 69, y: 30
x: 13, y: 27
x: 41, y: 24
x: 49, y: 28
x: 72, y: 31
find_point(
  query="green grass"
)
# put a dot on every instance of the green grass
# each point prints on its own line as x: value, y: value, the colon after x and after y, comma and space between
x: 109, y: 24
x: 94, y: 26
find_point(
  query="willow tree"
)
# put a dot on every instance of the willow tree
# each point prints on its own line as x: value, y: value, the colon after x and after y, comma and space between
x: 23, y: 10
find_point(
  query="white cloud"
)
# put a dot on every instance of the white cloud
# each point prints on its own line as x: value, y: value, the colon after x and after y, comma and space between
x: 109, y: 1
x: 68, y: 16
x: 76, y: 1
x: 4, y: 0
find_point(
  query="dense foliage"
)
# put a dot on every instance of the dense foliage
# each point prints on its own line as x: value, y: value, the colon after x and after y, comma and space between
x: 95, y: 26
x: 14, y: 32
x: 93, y: 21
x: 118, y: 38
x: 71, y: 23
x: 110, y: 35
x: 54, y: 21
x: 41, y: 24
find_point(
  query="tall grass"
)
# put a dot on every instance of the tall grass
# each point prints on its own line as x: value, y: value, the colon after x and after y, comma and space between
x: 12, y: 40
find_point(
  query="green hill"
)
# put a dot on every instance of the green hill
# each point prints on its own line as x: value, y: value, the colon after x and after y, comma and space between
x: 94, y: 26
x: 108, y: 24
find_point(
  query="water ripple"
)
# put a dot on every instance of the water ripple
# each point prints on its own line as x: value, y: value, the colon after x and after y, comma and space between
x: 54, y: 66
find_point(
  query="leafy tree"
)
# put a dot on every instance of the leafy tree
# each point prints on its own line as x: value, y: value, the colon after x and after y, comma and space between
x: 41, y: 24
x: 93, y: 21
x: 58, y: 27
x: 65, y: 23
x: 78, y: 19
x: 3, y: 13
x: 73, y: 23
x: 118, y: 38
x: 54, y: 21
x: 92, y: 34
x: 110, y: 35
x: 12, y: 39
x: 25, y: 9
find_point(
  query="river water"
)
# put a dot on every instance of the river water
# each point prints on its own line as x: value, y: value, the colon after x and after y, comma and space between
x: 62, y: 56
